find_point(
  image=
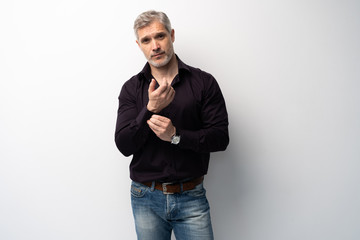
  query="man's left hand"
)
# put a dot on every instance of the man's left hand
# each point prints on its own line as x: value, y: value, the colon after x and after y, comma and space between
x: 162, y: 127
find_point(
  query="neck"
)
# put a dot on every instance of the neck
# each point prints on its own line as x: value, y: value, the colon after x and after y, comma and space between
x: 169, y: 71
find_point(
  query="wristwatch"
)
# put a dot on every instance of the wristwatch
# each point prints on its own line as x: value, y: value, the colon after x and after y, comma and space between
x: 175, y: 139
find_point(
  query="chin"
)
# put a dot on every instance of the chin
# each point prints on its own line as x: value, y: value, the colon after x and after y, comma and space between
x: 161, y: 63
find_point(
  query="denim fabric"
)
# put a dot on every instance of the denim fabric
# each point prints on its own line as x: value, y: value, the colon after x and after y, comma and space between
x: 157, y: 214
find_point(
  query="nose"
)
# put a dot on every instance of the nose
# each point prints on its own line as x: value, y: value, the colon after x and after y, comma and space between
x: 155, y: 45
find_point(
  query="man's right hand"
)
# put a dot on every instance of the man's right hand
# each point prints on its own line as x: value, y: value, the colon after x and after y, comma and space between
x: 161, y: 97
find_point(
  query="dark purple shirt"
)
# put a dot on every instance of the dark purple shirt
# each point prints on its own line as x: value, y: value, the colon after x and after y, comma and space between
x: 198, y: 112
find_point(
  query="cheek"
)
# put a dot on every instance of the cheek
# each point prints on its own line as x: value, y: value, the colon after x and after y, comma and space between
x: 145, y: 50
x: 169, y: 46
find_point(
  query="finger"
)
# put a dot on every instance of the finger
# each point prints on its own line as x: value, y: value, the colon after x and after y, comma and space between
x: 157, y: 124
x: 163, y: 84
x: 163, y: 88
x: 172, y: 94
x: 167, y: 93
x: 153, y: 126
x: 170, y: 90
x: 160, y: 118
x: 153, y: 121
x: 152, y: 85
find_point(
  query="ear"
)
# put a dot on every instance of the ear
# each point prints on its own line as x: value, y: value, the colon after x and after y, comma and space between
x: 137, y: 42
x: 172, y: 35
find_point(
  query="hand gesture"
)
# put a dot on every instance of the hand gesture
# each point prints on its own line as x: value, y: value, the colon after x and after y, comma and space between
x: 161, y: 97
x: 162, y: 127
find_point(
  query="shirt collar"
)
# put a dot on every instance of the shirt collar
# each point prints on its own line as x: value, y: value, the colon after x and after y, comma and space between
x: 146, y: 71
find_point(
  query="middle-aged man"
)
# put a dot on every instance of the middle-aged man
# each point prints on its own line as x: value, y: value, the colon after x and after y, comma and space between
x: 170, y: 117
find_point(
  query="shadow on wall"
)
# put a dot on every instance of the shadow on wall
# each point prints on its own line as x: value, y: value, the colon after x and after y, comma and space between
x: 226, y: 184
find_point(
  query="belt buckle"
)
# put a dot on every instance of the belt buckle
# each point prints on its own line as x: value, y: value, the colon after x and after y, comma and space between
x: 164, y: 188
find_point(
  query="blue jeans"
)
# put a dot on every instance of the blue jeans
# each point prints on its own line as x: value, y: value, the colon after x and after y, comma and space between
x: 157, y: 214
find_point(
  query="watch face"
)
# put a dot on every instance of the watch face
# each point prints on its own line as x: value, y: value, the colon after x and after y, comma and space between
x: 175, y: 140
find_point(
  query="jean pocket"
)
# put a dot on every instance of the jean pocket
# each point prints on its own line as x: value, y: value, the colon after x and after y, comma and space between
x: 198, y: 191
x: 138, y: 190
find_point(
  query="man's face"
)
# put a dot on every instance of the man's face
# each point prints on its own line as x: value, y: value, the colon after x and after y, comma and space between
x: 156, y: 43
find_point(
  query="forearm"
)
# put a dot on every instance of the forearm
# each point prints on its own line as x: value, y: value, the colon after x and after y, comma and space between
x: 132, y: 131
x: 205, y: 140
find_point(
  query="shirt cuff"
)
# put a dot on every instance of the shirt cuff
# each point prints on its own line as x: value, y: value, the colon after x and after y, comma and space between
x: 143, y: 116
x: 189, y: 140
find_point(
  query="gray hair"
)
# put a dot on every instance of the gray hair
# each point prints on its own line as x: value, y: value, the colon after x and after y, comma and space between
x: 146, y: 18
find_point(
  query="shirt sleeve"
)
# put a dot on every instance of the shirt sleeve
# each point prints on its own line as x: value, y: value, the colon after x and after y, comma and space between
x: 213, y: 135
x: 132, y: 130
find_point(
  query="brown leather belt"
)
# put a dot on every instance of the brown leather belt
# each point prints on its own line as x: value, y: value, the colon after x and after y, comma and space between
x: 171, y: 188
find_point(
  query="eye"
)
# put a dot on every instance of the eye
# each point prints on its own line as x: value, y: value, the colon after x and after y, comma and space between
x: 160, y: 36
x: 145, y: 40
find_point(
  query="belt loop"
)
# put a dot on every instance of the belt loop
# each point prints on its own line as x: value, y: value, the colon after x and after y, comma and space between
x: 181, y: 187
x: 152, y: 186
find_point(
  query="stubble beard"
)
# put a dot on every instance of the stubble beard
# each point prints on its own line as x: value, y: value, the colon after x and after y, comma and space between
x: 167, y: 59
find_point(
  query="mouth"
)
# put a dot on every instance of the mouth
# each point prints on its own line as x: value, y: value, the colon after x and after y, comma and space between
x: 157, y: 55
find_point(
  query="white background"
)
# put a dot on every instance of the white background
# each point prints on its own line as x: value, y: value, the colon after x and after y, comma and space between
x: 290, y: 74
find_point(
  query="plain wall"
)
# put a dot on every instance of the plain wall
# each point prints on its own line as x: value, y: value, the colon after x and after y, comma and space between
x: 290, y: 74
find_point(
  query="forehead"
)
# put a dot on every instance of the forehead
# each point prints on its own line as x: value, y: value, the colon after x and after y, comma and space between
x: 151, y: 29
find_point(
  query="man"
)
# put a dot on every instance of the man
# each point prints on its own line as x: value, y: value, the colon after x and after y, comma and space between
x: 170, y: 117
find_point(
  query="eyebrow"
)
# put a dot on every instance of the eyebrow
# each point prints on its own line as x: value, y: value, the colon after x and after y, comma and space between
x: 160, y: 33
x: 156, y: 35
